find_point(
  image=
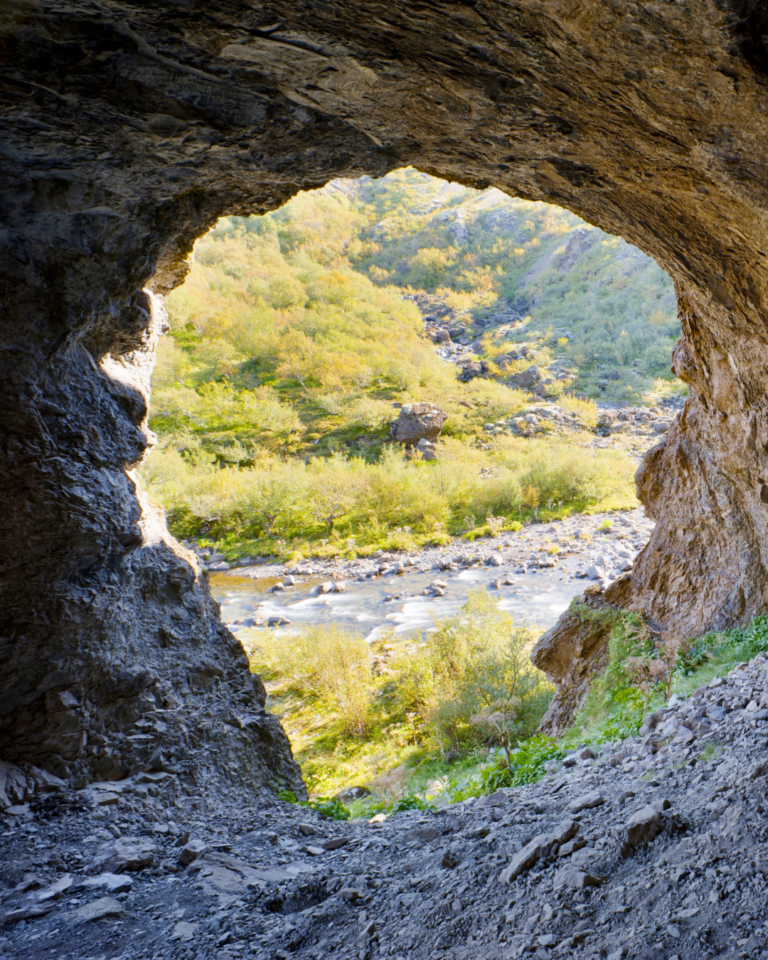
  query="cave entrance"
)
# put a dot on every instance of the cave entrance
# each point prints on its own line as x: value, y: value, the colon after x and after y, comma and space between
x: 128, y: 139
x: 299, y: 334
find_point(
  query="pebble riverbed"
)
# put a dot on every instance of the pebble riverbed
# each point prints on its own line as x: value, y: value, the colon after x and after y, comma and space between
x: 535, y: 574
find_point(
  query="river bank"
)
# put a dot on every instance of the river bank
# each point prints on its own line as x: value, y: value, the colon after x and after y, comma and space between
x: 535, y: 572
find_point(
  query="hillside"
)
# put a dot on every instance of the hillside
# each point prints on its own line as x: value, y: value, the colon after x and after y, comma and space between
x: 298, y: 335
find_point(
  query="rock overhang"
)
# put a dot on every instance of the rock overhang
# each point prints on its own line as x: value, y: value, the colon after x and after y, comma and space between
x: 129, y: 130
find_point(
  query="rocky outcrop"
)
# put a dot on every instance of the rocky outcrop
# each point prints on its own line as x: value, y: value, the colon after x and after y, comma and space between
x: 129, y: 129
x: 575, y: 650
x: 417, y: 422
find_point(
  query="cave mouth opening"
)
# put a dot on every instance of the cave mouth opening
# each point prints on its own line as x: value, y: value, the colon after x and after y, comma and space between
x: 127, y: 142
x: 299, y: 333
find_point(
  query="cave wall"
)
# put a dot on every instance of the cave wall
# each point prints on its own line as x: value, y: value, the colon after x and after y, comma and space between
x: 128, y: 129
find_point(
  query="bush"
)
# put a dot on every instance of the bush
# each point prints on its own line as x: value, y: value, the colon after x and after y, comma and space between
x: 326, y: 806
x: 475, y: 681
x: 330, y: 663
x: 411, y: 803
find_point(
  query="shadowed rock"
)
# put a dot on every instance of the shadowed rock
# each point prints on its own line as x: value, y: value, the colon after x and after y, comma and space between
x: 418, y: 421
x: 129, y: 130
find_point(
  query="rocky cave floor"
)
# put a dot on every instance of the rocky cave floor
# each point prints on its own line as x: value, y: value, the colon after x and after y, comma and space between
x: 656, y: 848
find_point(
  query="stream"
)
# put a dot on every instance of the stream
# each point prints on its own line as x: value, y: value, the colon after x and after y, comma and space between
x: 536, y: 597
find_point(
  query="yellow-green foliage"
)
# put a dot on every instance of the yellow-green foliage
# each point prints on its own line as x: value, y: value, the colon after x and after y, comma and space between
x: 586, y: 410
x: 330, y: 663
x: 473, y: 680
x: 341, y: 497
x: 351, y: 724
x: 284, y: 352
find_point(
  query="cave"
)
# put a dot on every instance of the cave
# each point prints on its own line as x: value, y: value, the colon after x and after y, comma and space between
x: 130, y: 128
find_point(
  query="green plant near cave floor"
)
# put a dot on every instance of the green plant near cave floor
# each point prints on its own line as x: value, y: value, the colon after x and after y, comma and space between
x: 328, y: 807
x: 645, y: 670
x: 355, y: 711
x: 411, y: 803
x: 474, y: 679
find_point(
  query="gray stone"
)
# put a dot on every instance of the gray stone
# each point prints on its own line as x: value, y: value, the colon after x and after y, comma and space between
x: 576, y: 879
x: 641, y: 828
x: 586, y: 802
x: 528, y: 378
x: 417, y: 421
x: 14, y: 786
x: 184, y: 931
x: 97, y: 910
x: 129, y: 853
x: 114, y: 882
x: 191, y: 851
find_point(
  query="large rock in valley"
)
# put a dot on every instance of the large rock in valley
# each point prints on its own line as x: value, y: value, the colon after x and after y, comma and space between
x: 418, y: 421
x: 528, y: 379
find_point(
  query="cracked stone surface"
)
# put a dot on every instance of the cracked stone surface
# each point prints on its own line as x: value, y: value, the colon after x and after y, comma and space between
x: 129, y: 128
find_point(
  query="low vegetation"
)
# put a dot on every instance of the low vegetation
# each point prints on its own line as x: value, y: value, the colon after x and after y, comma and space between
x: 293, y: 344
x: 344, y: 505
x: 400, y: 709
x: 454, y: 715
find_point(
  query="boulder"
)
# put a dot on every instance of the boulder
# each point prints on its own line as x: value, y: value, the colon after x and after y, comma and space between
x: 528, y: 378
x: 418, y: 421
x: 128, y: 853
x: 14, y: 786
x: 349, y: 794
x: 427, y: 449
x: 472, y: 369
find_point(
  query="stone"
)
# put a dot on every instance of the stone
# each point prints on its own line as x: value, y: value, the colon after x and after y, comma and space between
x: 418, y: 421
x: 129, y: 853
x: 114, y: 882
x: 14, y: 786
x: 97, y: 910
x: 528, y: 378
x: 184, y: 931
x: 107, y: 799
x: 576, y: 879
x: 423, y: 833
x: 31, y: 911
x: 55, y: 890
x: 533, y: 850
x: 191, y: 851
x: 586, y: 802
x: 335, y: 843
x: 641, y: 828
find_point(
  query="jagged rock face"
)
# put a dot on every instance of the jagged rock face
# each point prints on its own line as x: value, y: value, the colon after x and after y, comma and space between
x: 128, y: 129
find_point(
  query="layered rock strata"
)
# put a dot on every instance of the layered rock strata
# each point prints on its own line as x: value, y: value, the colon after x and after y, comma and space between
x: 129, y: 128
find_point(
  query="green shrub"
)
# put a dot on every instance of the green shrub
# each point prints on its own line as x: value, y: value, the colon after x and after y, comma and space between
x: 528, y: 762
x: 478, y: 683
x: 326, y: 806
x: 328, y: 662
x: 411, y: 803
